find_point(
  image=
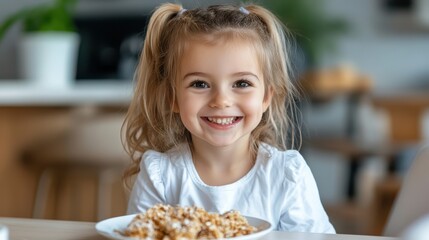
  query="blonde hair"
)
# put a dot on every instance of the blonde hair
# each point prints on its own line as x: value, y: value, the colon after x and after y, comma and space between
x: 151, y: 123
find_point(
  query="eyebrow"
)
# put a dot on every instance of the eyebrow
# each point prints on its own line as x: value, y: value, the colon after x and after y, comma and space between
x: 196, y: 74
x: 208, y: 75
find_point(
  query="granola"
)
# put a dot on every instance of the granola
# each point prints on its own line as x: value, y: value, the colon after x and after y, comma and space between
x: 165, y: 222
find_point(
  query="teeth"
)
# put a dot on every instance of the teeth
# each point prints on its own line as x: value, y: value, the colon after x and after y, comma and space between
x: 221, y: 121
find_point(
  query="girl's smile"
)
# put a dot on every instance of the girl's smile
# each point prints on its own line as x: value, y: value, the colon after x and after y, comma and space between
x: 222, y: 122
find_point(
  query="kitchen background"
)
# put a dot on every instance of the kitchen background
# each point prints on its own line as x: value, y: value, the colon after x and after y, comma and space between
x: 363, y: 112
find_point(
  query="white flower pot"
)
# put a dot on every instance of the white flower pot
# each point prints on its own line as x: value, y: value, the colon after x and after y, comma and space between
x: 49, y: 59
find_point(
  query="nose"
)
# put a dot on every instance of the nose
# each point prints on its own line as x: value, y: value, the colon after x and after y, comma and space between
x: 220, y: 99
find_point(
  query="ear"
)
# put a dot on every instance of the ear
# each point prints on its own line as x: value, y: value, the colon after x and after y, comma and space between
x: 267, y: 98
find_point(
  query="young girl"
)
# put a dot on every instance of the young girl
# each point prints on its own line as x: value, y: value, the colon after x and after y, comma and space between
x: 207, y: 125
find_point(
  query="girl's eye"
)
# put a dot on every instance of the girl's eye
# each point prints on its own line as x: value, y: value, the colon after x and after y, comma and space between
x: 242, y: 84
x: 199, y: 84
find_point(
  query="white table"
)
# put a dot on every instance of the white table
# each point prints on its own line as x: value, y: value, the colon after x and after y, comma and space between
x: 21, y: 229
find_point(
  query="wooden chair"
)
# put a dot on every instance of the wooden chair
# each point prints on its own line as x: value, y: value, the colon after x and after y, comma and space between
x: 412, y: 201
x: 91, y: 147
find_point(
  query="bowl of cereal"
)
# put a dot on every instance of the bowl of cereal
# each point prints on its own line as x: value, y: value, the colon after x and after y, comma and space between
x: 168, y: 222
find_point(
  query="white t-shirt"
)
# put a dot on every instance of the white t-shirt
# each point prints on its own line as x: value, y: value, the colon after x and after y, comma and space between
x: 280, y: 188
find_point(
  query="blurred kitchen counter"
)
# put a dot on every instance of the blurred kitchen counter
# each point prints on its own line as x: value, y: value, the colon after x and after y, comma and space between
x: 30, y: 115
x: 106, y: 92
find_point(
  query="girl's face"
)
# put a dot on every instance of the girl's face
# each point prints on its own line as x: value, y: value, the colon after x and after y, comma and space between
x: 220, y: 92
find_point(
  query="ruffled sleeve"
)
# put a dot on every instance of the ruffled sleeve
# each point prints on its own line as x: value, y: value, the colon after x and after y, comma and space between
x: 302, y: 210
x: 148, y: 188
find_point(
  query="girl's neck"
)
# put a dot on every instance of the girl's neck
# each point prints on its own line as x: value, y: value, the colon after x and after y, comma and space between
x: 222, y: 165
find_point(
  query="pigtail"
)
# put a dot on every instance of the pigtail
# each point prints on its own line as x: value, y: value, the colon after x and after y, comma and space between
x: 277, y: 33
x: 281, y: 40
x: 143, y: 125
x: 150, y: 67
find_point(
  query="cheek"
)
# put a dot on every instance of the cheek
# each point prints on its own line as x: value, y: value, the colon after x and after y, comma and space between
x: 254, y: 105
x: 189, y: 107
x: 185, y: 104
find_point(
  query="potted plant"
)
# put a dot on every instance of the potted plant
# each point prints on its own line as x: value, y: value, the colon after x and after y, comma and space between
x: 49, y: 44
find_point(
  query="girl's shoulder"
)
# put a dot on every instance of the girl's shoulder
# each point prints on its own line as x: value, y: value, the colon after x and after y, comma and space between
x: 286, y: 163
x: 157, y: 161
x: 278, y: 156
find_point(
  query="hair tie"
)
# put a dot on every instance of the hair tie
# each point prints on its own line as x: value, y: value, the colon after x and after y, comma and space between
x: 243, y: 10
x: 181, y: 11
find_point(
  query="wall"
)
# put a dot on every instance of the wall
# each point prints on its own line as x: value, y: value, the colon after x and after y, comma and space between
x: 394, y: 58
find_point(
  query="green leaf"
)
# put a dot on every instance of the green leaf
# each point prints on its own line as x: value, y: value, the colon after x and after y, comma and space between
x: 11, y: 20
x: 54, y: 17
